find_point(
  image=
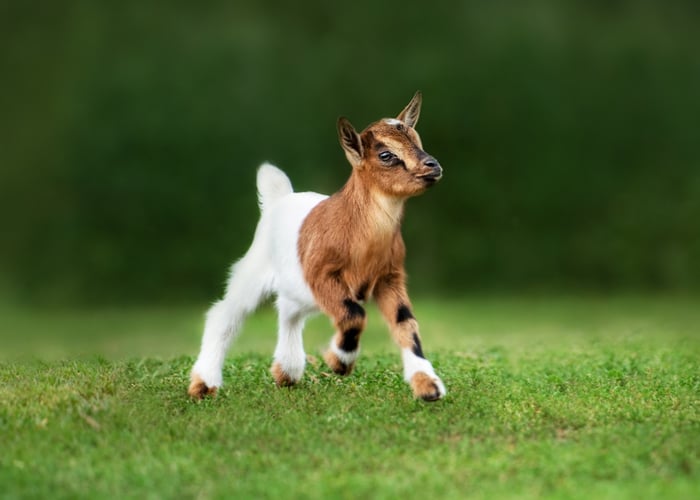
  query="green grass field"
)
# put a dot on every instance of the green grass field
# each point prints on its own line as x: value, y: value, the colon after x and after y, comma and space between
x: 561, y: 397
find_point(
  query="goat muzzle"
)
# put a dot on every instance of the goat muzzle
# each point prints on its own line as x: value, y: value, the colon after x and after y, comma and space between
x: 435, y: 172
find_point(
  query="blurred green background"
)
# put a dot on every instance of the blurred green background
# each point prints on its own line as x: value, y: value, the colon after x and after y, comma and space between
x: 130, y: 133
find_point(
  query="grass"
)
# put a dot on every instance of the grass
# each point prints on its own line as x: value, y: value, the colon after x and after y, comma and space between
x: 570, y: 397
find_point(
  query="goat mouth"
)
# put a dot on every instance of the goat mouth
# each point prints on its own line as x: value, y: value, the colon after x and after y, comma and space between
x: 430, y: 179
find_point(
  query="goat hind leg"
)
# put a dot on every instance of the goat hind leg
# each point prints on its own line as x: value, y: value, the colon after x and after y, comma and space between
x: 289, y: 358
x: 247, y: 287
x: 222, y: 322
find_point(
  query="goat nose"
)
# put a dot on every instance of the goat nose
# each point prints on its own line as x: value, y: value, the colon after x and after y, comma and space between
x: 435, y: 169
x: 431, y: 162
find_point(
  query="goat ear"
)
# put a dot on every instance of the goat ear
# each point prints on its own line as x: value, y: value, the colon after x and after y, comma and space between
x: 411, y: 112
x: 350, y: 140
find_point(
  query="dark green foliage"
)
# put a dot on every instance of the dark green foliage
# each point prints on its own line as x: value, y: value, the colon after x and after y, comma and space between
x: 130, y: 133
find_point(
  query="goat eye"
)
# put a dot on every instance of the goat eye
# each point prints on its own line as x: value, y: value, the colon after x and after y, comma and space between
x: 386, y: 156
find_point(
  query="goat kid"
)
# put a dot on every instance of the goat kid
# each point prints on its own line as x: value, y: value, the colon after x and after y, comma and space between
x: 316, y: 252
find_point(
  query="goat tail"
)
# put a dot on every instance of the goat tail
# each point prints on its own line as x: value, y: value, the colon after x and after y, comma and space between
x: 273, y: 184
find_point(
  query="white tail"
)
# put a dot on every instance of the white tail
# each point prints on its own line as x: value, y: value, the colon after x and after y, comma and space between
x: 272, y: 184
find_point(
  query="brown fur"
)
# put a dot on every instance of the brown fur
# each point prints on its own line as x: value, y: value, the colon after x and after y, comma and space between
x: 424, y: 387
x: 350, y: 244
x: 280, y: 376
x: 198, y: 389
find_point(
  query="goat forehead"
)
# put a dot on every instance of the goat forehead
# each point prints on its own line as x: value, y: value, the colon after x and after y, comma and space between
x: 393, y: 133
x: 388, y: 126
x: 393, y: 137
x: 404, y: 144
x: 383, y: 129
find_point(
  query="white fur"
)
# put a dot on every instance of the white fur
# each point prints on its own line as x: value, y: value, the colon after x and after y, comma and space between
x: 413, y: 364
x: 271, y: 266
x: 272, y: 185
x: 392, y: 121
x: 289, y: 352
x: 347, y: 357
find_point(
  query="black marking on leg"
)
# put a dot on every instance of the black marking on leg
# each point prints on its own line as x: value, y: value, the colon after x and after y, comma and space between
x: 403, y: 313
x: 351, y: 337
x: 417, y: 347
x: 354, y: 309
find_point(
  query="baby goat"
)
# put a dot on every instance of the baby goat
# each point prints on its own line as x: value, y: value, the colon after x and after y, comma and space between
x: 331, y: 254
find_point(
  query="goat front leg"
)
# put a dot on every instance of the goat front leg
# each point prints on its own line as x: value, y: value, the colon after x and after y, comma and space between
x: 392, y: 299
x: 349, y: 319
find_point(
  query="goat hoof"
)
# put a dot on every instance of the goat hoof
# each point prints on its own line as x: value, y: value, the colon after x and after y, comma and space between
x: 282, y: 378
x: 335, y: 364
x: 426, y: 387
x: 198, y: 389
